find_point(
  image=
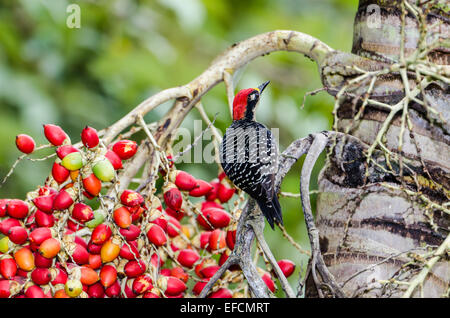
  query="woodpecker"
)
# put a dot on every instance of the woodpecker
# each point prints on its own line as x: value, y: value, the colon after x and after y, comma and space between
x: 249, y: 154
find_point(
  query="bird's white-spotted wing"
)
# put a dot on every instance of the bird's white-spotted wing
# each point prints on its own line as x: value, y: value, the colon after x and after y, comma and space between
x: 249, y: 157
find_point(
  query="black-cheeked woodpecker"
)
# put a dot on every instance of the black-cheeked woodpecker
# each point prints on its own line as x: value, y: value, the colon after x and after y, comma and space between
x: 249, y: 154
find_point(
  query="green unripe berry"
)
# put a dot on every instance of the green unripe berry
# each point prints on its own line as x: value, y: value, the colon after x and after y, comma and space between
x: 73, y: 161
x: 99, y: 217
x: 5, y: 244
x: 73, y: 288
x: 104, y: 170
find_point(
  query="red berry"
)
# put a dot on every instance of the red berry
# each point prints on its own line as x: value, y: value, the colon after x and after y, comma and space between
x: 24, y: 259
x: 134, y: 268
x: 131, y: 198
x: 156, y: 234
x: 156, y: 260
x: 178, y: 272
x: 142, y: 284
x: 183, y: 180
x: 151, y: 294
x: 165, y: 272
x: 129, y: 289
x: 46, y: 191
x: 44, y: 203
x: 79, y: 240
x: 41, y: 276
x: 217, y: 240
x: 204, y: 239
x: 224, y: 256
x: 55, y: 134
x: 212, y: 195
x: 210, y: 204
x: 131, y: 233
x: 221, y: 176
x: 89, y: 137
x: 201, y: 188
x: 125, y: 149
x: 34, y: 291
x: 44, y: 219
x: 172, y: 197
x: 231, y: 238
x: 198, y: 287
x: 218, y: 218
x: 173, y: 226
x: 136, y: 213
x: 17, y: 209
x: 18, y: 235
x: 74, y: 225
x: 3, y: 205
x: 101, y: 234
x: 108, y: 276
x: 286, y: 266
x: 25, y: 143
x: 175, y: 214
x: 59, y: 173
x: 162, y: 222
x: 92, y: 185
x: 114, y: 290
x: 221, y: 293
x: 96, y: 291
x: 82, y: 212
x: 50, y: 248
x: 8, y: 288
x: 171, y: 286
x: 41, y: 261
x: 209, y: 271
x: 94, y: 248
x: 268, y: 281
x: 224, y: 192
x: 88, y: 276
x: 188, y: 257
x: 129, y: 253
x: 63, y: 200
x: 122, y: 217
x: 78, y: 253
x: 8, y: 268
x: 95, y: 261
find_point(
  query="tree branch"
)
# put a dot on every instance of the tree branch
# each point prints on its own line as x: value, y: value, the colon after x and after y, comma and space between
x: 237, y: 56
x: 318, y: 145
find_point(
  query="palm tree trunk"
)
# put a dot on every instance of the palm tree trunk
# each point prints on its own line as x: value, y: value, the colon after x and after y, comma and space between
x: 381, y: 221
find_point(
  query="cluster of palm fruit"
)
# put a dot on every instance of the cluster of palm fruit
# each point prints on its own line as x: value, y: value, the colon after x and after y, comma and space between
x: 70, y: 238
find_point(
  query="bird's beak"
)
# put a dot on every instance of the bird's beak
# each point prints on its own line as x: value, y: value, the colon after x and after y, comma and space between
x: 263, y: 86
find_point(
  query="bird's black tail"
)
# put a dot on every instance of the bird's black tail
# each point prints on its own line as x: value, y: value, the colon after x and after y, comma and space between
x: 272, y: 211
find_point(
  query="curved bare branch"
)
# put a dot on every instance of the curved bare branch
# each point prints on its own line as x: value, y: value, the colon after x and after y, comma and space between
x: 318, y: 145
x: 237, y: 56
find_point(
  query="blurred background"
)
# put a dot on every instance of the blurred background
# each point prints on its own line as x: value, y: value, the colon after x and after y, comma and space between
x: 127, y: 50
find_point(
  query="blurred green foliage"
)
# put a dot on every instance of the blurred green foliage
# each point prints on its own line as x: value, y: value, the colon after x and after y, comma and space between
x: 126, y: 50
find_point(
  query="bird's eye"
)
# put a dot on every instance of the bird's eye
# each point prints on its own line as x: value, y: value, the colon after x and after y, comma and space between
x: 252, y: 97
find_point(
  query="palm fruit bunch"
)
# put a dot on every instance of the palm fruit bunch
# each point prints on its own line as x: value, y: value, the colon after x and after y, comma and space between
x: 76, y: 236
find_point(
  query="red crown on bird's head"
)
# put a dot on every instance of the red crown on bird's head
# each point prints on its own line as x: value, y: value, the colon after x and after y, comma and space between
x: 240, y: 103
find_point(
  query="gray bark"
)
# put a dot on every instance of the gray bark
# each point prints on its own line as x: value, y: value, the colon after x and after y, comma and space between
x: 369, y: 232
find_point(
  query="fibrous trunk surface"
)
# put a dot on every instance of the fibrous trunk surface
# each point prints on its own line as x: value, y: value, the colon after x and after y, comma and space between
x: 380, y: 220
